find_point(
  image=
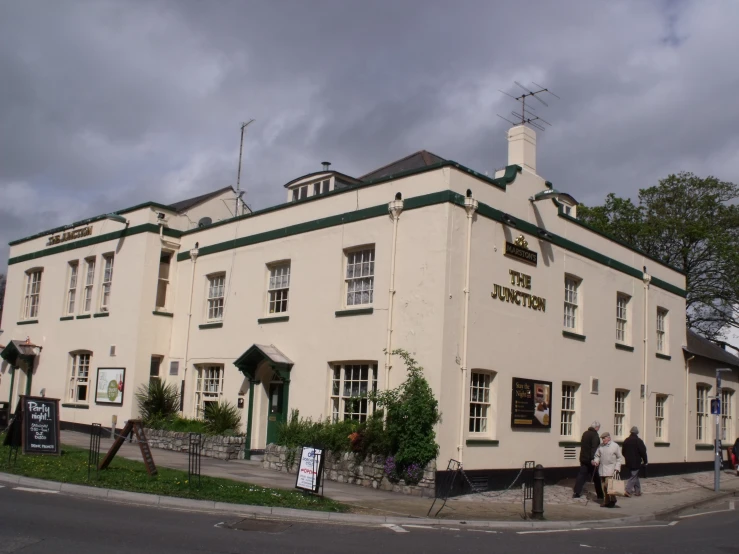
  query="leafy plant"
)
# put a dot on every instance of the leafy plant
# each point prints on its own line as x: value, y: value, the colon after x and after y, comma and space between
x: 221, y: 418
x: 157, y: 400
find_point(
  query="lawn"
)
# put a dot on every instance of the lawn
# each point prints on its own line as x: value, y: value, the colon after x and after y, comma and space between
x: 130, y: 475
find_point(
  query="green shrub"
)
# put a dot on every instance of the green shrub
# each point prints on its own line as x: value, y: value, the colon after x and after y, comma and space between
x: 297, y: 431
x: 157, y: 400
x: 222, y: 418
x: 177, y: 424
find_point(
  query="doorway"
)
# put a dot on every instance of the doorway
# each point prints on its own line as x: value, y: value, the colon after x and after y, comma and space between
x: 276, y: 412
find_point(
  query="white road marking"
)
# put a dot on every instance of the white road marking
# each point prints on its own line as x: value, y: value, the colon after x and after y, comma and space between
x: 2, y: 487
x: 731, y: 509
x: 395, y: 528
x: 44, y: 491
x: 637, y: 526
x: 449, y: 528
x: 420, y: 527
x: 482, y: 531
x: 553, y: 531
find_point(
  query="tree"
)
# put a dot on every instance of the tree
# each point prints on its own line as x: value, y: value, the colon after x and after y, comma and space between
x: 691, y: 224
x: 2, y: 296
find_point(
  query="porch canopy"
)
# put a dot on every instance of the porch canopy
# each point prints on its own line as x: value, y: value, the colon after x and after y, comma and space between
x: 19, y: 351
x: 249, y: 361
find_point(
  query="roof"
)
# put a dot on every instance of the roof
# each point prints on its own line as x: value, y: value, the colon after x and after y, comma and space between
x: 183, y: 205
x: 417, y: 160
x: 701, y: 346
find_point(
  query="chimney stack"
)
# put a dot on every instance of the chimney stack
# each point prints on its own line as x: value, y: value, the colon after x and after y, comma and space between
x: 326, y: 165
x: 522, y: 147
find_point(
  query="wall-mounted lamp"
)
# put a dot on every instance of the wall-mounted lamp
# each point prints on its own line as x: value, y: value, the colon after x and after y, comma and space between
x: 116, y: 217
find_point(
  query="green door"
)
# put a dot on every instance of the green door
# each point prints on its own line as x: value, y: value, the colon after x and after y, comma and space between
x: 276, y: 410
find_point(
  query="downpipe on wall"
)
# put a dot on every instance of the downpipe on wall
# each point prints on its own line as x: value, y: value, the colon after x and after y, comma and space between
x: 687, y: 388
x: 647, y: 279
x: 193, y: 258
x: 470, y: 206
x: 394, y: 208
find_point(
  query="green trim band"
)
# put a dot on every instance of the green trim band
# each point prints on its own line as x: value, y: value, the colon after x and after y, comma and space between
x: 77, y: 406
x: 27, y: 322
x: 66, y: 318
x: 569, y: 444
x: 86, y: 316
x: 216, y: 325
x: 163, y: 314
x: 661, y: 444
x: 663, y: 356
x: 704, y: 447
x: 101, y: 314
x: 571, y: 335
x: 625, y: 347
x: 357, y: 311
x: 279, y: 319
x: 481, y: 442
x: 67, y: 246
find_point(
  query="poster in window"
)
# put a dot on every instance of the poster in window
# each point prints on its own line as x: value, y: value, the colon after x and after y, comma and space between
x: 531, y: 404
x: 110, y: 385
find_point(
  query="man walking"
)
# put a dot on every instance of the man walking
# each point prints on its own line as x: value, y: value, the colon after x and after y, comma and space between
x: 635, y: 453
x: 588, y: 446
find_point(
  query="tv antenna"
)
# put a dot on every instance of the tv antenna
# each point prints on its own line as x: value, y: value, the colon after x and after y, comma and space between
x: 527, y: 116
x: 239, y: 192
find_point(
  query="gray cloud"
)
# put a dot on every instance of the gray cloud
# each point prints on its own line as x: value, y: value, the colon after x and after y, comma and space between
x: 107, y: 104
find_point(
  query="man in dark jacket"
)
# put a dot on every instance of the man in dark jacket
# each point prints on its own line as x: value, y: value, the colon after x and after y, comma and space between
x: 635, y: 453
x: 588, y: 446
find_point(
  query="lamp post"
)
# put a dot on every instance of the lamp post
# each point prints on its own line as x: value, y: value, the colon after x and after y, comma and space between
x: 717, y: 437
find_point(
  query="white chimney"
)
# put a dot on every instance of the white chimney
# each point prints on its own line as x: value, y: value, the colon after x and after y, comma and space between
x: 522, y: 147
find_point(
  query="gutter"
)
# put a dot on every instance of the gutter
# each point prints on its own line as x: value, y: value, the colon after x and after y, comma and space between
x: 394, y: 208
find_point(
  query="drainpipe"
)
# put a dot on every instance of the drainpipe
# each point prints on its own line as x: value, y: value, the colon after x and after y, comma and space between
x: 470, y: 206
x: 394, y: 208
x: 687, y: 389
x: 193, y: 259
x: 647, y: 279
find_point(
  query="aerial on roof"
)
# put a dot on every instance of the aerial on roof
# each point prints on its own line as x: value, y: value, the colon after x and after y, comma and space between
x: 417, y: 160
x: 701, y: 346
x: 183, y: 205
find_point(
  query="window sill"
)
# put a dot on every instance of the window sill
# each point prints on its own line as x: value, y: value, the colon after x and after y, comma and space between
x: 663, y: 356
x: 66, y: 318
x: 101, y: 314
x: 77, y: 406
x: 481, y: 442
x: 214, y: 325
x: 575, y: 336
x: 626, y: 347
x: 704, y: 447
x: 661, y: 444
x: 86, y: 316
x: 273, y: 319
x: 27, y: 322
x: 353, y: 311
x: 569, y: 444
x: 163, y: 314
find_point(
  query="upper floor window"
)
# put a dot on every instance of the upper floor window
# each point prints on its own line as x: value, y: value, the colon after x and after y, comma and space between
x: 216, y: 291
x: 79, y: 377
x: 321, y: 187
x: 360, y: 277
x: 622, y: 318
x: 661, y: 330
x: 163, y: 280
x: 89, y: 282
x: 72, y: 288
x: 279, y: 286
x: 107, y: 282
x: 32, y: 294
x: 572, y: 285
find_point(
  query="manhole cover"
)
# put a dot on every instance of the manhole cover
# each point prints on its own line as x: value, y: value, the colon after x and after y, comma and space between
x: 258, y: 525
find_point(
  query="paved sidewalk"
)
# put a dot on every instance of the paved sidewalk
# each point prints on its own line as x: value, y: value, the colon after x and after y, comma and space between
x: 660, y: 494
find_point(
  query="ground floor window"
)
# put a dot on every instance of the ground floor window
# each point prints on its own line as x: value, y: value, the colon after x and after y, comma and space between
x: 726, y: 412
x: 479, y: 402
x: 660, y: 430
x: 79, y: 379
x: 566, y: 426
x: 208, y: 387
x: 350, y: 385
x: 701, y: 413
x: 619, y: 413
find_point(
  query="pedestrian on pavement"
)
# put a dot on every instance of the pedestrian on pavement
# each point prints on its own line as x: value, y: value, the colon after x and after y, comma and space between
x: 608, y: 460
x: 735, y: 454
x: 588, y: 446
x: 635, y: 453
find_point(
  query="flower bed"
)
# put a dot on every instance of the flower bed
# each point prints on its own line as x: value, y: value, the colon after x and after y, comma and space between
x: 350, y: 468
x: 214, y: 446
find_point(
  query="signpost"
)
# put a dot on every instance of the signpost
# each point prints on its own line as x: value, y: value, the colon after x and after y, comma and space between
x: 310, y: 469
x: 716, y: 410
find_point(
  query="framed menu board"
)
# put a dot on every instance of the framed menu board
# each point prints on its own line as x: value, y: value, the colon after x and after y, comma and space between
x: 531, y: 404
x: 110, y: 385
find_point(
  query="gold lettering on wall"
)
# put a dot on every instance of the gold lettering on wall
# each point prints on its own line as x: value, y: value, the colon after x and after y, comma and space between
x: 69, y: 235
x: 520, y: 298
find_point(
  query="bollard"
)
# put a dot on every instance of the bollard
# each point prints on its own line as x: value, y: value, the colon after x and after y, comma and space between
x: 537, y: 510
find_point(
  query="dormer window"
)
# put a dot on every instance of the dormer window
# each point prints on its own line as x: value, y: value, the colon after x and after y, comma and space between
x: 321, y: 187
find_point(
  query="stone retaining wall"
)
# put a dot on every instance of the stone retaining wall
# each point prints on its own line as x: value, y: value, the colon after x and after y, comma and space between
x: 222, y: 448
x: 347, y: 468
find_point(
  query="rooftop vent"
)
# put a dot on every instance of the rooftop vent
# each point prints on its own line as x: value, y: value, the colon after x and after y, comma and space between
x: 204, y: 222
x: 326, y: 165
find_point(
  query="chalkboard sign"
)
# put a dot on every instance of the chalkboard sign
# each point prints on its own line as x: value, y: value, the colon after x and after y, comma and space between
x: 40, y: 423
x: 310, y: 469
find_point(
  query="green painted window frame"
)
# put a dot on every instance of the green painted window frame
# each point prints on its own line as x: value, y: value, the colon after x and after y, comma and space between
x: 66, y: 318
x: 624, y: 347
x: 574, y: 336
x: 663, y: 356
x: 661, y: 444
x: 276, y: 319
x: 101, y: 314
x: 704, y: 446
x: 27, y: 322
x: 354, y: 311
x: 163, y: 314
x: 84, y: 316
x: 215, y: 325
x: 481, y: 442
x: 76, y: 406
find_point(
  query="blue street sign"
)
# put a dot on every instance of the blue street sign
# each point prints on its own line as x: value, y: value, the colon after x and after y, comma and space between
x: 715, y: 406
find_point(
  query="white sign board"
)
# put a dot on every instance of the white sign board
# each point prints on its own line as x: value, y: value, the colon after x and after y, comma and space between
x: 309, y: 469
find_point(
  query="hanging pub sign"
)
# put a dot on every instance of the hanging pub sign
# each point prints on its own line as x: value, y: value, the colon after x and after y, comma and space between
x: 69, y: 235
x: 531, y: 405
x: 310, y: 469
x: 520, y: 249
x: 40, y: 424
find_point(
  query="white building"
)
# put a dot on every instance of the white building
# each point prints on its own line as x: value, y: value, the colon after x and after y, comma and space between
x: 528, y: 323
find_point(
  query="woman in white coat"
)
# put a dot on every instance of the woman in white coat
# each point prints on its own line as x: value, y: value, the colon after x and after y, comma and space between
x: 608, y: 460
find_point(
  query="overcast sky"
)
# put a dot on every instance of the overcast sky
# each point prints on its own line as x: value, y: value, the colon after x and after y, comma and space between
x: 107, y: 104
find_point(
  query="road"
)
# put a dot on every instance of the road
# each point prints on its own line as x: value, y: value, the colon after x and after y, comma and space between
x: 34, y: 522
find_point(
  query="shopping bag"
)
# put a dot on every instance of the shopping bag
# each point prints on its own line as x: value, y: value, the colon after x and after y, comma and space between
x: 616, y: 486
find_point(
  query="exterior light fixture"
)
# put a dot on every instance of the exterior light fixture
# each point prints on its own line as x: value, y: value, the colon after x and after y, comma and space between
x: 552, y: 193
x: 116, y: 217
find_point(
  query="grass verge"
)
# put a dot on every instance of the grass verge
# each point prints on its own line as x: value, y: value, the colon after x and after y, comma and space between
x: 129, y: 475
